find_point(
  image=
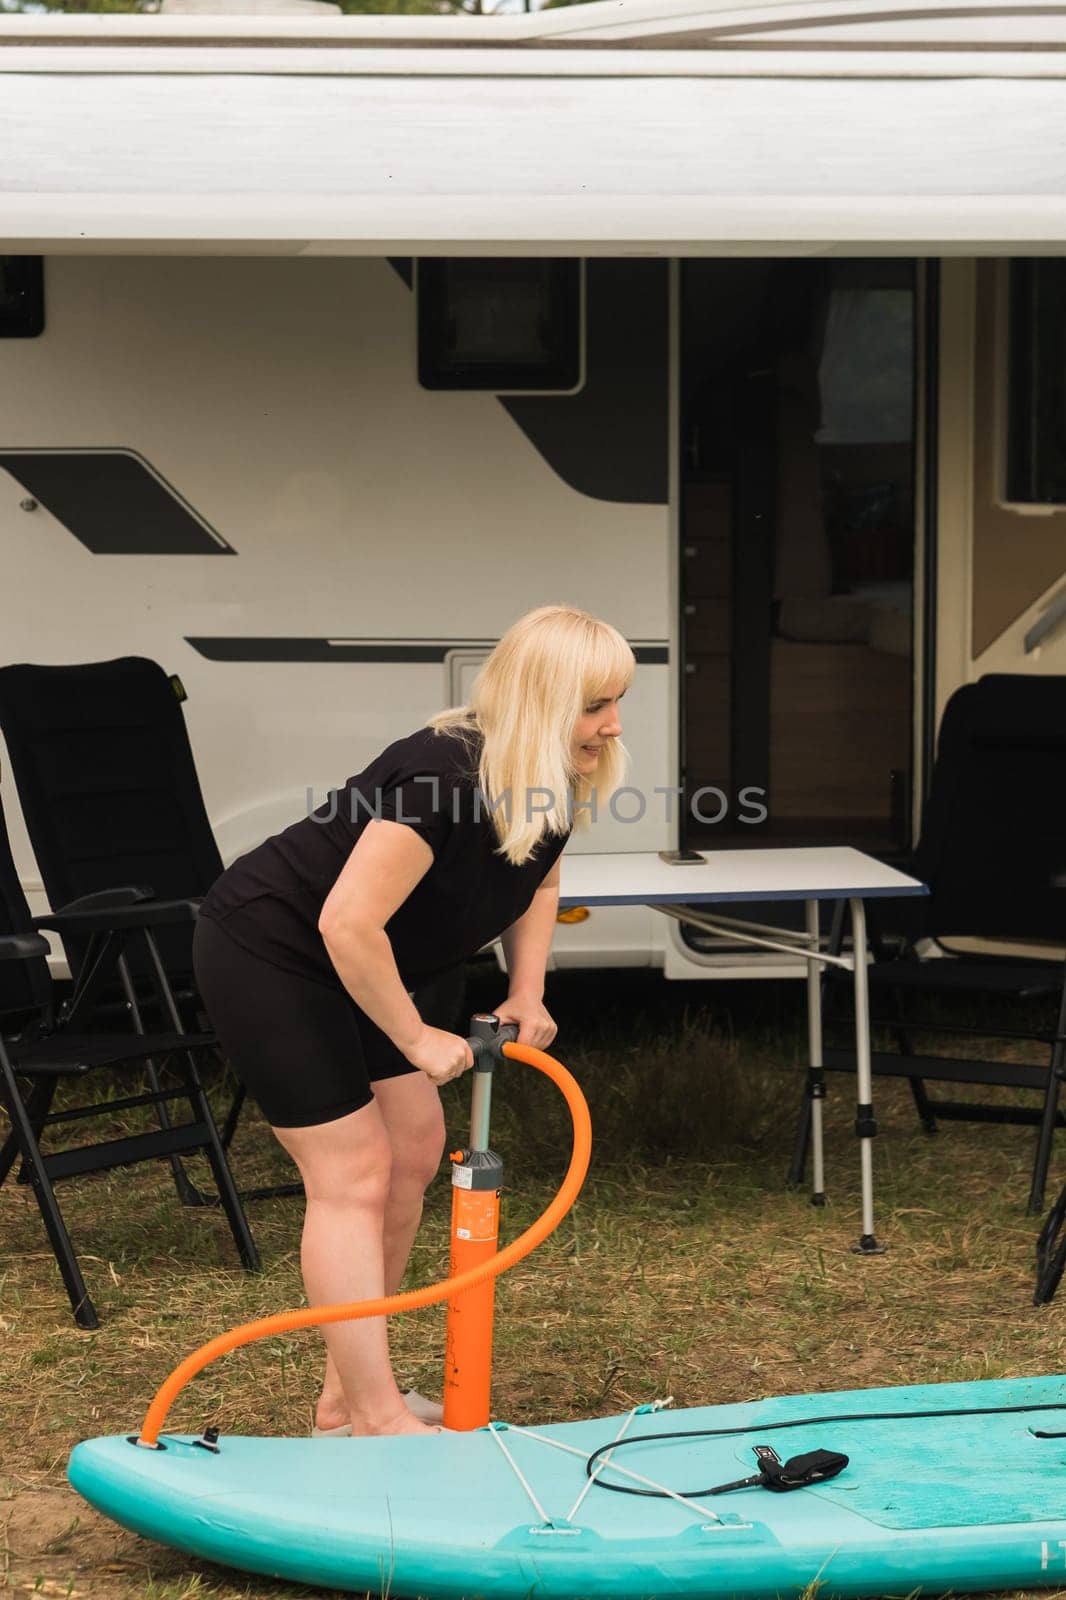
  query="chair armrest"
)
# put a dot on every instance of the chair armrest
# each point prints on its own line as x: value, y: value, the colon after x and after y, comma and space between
x: 22, y: 946
x: 147, y: 914
x: 129, y: 894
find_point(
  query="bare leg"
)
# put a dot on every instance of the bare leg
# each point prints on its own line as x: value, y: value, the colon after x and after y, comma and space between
x: 411, y: 1110
x: 414, y: 1124
x: 346, y: 1168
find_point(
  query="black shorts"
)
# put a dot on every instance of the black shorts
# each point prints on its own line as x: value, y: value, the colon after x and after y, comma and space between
x: 304, y: 1051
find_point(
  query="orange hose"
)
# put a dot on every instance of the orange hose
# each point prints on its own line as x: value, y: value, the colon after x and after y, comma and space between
x: 413, y: 1299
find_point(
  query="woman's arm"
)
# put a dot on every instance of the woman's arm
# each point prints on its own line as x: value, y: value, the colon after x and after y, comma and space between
x: 388, y: 860
x: 527, y: 942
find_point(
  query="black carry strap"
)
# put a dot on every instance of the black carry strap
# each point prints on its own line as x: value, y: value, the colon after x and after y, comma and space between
x: 781, y: 1476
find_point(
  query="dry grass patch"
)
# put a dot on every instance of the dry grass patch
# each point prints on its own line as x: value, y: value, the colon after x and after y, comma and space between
x: 685, y: 1269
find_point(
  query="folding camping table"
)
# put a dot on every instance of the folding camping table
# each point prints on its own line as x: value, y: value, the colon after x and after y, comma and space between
x: 738, y: 877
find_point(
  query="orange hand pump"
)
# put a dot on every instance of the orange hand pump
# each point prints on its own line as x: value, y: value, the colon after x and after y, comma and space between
x: 472, y: 1352
x: 477, y: 1178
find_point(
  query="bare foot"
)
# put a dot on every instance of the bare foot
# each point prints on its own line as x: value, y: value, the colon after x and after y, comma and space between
x: 401, y: 1422
x: 332, y: 1409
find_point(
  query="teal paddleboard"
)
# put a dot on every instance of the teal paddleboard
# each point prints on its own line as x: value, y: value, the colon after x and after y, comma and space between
x: 973, y: 1498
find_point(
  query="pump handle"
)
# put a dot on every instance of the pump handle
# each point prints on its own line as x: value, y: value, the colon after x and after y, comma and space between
x: 488, y: 1035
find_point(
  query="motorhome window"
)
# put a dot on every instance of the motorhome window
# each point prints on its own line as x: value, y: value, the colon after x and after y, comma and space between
x: 1036, y: 383
x: 867, y: 368
x: 502, y: 324
x: 21, y: 297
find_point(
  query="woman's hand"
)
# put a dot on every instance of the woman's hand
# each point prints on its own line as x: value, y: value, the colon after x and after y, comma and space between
x: 442, y: 1056
x: 535, y: 1026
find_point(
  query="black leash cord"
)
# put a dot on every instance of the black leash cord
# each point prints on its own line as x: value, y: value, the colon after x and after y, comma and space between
x: 771, y: 1427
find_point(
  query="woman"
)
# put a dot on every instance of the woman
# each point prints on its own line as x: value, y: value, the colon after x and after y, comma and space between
x: 310, y: 953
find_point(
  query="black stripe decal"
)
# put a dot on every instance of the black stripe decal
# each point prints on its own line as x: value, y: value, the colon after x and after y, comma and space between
x: 115, y: 502
x: 610, y: 441
x: 366, y: 650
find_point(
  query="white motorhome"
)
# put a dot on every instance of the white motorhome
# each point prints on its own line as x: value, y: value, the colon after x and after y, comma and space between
x: 329, y: 345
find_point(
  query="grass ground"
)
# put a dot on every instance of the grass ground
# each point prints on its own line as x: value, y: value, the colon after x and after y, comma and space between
x: 686, y: 1269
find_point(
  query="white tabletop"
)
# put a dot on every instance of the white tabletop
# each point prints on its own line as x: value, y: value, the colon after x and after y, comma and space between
x: 641, y: 878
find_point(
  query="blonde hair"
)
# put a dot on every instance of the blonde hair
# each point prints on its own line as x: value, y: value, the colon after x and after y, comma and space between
x: 525, y: 702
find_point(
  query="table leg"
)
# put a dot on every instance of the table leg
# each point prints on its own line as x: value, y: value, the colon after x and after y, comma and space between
x: 865, y: 1124
x: 815, y: 1072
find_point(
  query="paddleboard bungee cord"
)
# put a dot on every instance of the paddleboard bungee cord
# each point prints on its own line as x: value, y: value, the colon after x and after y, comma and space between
x: 768, y: 1477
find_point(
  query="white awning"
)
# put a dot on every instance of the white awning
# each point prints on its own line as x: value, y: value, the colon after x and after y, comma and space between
x: 429, y: 162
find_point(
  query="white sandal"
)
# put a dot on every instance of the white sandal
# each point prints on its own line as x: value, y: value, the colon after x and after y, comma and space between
x: 430, y: 1411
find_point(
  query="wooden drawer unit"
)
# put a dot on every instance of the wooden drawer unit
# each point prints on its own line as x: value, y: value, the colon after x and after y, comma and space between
x: 706, y: 569
x: 708, y: 627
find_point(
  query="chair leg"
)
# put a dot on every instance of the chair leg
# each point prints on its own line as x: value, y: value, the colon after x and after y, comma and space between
x: 801, y: 1141
x: 922, y: 1105
x: 81, y: 1305
x: 229, y: 1127
x: 228, y: 1196
x: 37, y: 1106
x: 1049, y: 1120
x: 188, y: 1193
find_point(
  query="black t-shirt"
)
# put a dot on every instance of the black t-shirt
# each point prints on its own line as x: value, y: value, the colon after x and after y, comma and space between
x: 270, y: 899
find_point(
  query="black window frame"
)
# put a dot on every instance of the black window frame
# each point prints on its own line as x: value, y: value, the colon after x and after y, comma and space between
x: 24, y: 319
x: 1034, y: 471
x: 563, y: 313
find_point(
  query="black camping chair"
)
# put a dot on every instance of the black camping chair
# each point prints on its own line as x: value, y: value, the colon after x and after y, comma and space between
x: 110, y: 795
x: 992, y: 850
x: 111, y: 799
x: 40, y: 1047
